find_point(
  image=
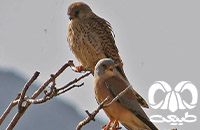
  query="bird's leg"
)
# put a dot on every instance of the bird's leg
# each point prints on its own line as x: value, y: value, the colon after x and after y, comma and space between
x: 76, y: 68
x: 115, y: 125
x: 107, y: 127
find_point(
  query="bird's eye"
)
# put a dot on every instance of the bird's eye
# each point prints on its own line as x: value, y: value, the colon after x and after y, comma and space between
x: 104, y: 66
x: 111, y: 68
x: 76, y: 13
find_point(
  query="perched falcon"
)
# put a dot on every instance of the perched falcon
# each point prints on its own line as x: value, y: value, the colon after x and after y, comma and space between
x: 91, y: 39
x: 126, y: 109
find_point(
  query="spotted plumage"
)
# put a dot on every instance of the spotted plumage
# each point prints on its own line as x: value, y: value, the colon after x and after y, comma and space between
x: 91, y: 39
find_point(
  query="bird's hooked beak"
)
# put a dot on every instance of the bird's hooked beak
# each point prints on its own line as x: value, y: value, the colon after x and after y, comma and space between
x: 70, y: 15
x: 70, y: 18
x: 110, y: 67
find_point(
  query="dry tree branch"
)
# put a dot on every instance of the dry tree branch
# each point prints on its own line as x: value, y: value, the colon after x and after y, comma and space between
x: 9, y: 108
x: 102, y: 105
x: 73, y: 86
x: 91, y: 115
x: 48, y: 94
x: 53, y: 92
x: 56, y: 92
x: 37, y: 93
x: 23, y: 93
x: 20, y: 98
x: 72, y: 82
x: 19, y: 114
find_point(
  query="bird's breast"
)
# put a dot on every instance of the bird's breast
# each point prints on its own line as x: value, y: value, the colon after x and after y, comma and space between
x: 101, y: 92
x: 115, y: 111
x: 85, y: 44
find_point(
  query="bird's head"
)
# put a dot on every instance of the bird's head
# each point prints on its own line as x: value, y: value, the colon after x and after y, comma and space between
x: 105, y: 67
x: 79, y: 10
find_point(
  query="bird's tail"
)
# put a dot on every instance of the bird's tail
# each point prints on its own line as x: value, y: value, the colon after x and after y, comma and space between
x: 143, y: 124
x: 133, y: 128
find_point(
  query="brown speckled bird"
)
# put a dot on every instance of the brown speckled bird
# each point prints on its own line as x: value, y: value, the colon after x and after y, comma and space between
x: 91, y: 39
x: 126, y: 109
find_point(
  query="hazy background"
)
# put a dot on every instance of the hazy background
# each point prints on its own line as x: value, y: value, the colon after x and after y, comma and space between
x: 157, y: 40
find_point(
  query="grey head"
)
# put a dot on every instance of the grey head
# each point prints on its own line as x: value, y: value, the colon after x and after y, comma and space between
x: 104, y: 66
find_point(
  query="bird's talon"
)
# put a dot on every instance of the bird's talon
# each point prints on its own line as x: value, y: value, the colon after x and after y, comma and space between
x: 79, y: 68
x: 107, y: 127
x: 104, y: 127
x: 115, y: 125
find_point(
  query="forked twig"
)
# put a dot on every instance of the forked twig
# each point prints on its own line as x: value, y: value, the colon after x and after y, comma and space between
x: 92, y: 115
x: 48, y: 95
x: 101, y: 106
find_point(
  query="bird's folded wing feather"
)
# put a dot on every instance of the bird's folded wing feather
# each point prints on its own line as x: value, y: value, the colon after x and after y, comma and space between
x: 103, y: 30
x: 105, y: 39
x: 128, y: 100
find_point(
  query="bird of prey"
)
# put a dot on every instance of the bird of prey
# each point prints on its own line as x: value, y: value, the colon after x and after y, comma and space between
x: 126, y: 109
x: 91, y: 39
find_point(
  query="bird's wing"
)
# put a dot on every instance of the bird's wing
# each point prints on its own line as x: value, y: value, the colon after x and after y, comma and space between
x: 102, y: 40
x: 128, y: 100
x: 103, y: 31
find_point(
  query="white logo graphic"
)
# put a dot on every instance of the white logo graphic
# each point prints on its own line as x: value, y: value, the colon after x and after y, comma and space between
x: 173, y: 101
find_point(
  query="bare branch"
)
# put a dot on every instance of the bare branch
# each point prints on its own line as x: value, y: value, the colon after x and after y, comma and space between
x: 53, y: 92
x: 74, y: 81
x: 48, y: 94
x: 23, y: 93
x: 53, y: 86
x: 101, y: 106
x: 56, y: 92
x: 18, y: 115
x: 20, y: 98
x: 9, y: 108
x: 92, y: 115
x: 69, y: 88
x: 37, y: 93
x: 39, y: 101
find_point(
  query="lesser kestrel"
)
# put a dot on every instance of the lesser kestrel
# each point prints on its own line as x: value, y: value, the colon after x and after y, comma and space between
x: 126, y: 109
x: 91, y: 39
